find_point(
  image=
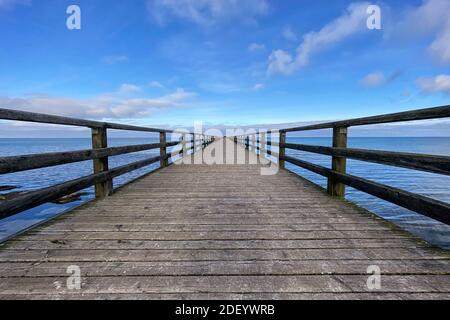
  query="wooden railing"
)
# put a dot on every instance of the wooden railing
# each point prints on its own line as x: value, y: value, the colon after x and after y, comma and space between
x: 103, y: 176
x: 337, y: 176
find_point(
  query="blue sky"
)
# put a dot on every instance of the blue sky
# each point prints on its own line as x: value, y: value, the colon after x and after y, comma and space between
x: 225, y: 62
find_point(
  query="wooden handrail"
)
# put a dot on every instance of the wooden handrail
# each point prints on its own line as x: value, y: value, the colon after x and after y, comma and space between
x: 420, y: 114
x: 36, y: 198
x: 429, y: 207
x: 423, y: 162
x: 36, y: 161
x: 100, y: 153
x: 16, y: 115
x: 337, y: 176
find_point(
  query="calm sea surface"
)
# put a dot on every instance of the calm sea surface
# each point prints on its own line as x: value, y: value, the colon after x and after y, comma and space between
x: 428, y: 184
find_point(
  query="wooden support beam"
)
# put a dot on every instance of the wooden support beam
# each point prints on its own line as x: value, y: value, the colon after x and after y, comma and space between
x: 164, y: 162
x: 262, y: 144
x: 100, y: 141
x: 338, y: 164
x: 282, y: 152
x: 184, y: 145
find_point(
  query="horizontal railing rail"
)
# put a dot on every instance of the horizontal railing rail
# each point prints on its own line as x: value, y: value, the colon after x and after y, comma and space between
x: 36, y: 198
x: 16, y: 115
x: 423, y: 162
x: 414, y: 115
x: 102, y: 178
x: 337, y: 175
x: 36, y: 161
x: 432, y: 208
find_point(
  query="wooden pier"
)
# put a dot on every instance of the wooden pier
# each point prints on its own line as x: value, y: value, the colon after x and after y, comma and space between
x: 221, y: 231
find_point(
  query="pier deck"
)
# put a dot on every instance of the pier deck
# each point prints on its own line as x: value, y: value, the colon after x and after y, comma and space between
x: 221, y: 232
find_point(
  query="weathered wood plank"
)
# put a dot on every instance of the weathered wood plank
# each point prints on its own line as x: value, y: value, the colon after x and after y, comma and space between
x: 211, y: 244
x: 17, y: 115
x: 238, y: 267
x: 216, y: 231
x: 224, y: 284
x: 214, y: 235
x: 69, y: 255
x: 42, y: 160
x: 237, y: 296
x: 421, y: 114
x: 423, y: 162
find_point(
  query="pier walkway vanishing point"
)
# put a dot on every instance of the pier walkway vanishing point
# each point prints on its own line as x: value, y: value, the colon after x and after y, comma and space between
x: 198, y: 231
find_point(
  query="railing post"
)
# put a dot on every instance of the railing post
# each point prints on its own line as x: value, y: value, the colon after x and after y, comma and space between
x: 254, y: 143
x: 100, y: 141
x: 338, y: 164
x: 164, y: 162
x: 262, y: 144
x: 184, y: 145
x: 281, y: 161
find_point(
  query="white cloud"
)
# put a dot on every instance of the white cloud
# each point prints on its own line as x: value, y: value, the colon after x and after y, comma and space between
x: 7, y: 4
x: 258, y: 87
x: 157, y: 84
x: 429, y: 19
x: 373, y: 79
x: 115, y: 59
x: 207, y: 12
x: 350, y: 23
x: 256, y: 47
x: 281, y: 62
x: 127, y: 88
x: 107, y: 106
x: 289, y: 34
x: 440, y: 83
x: 440, y: 48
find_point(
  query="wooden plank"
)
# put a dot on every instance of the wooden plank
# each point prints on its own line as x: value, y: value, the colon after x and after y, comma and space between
x: 349, y: 252
x: 211, y: 244
x: 236, y: 234
x: 237, y: 296
x: 238, y: 267
x: 148, y: 227
x: 227, y: 284
x: 214, y: 235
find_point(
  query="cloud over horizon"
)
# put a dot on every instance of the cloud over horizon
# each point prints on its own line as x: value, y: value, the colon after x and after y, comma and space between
x: 440, y: 83
x: 118, y: 105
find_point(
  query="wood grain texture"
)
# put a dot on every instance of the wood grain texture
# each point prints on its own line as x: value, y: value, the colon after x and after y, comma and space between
x: 221, y: 232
